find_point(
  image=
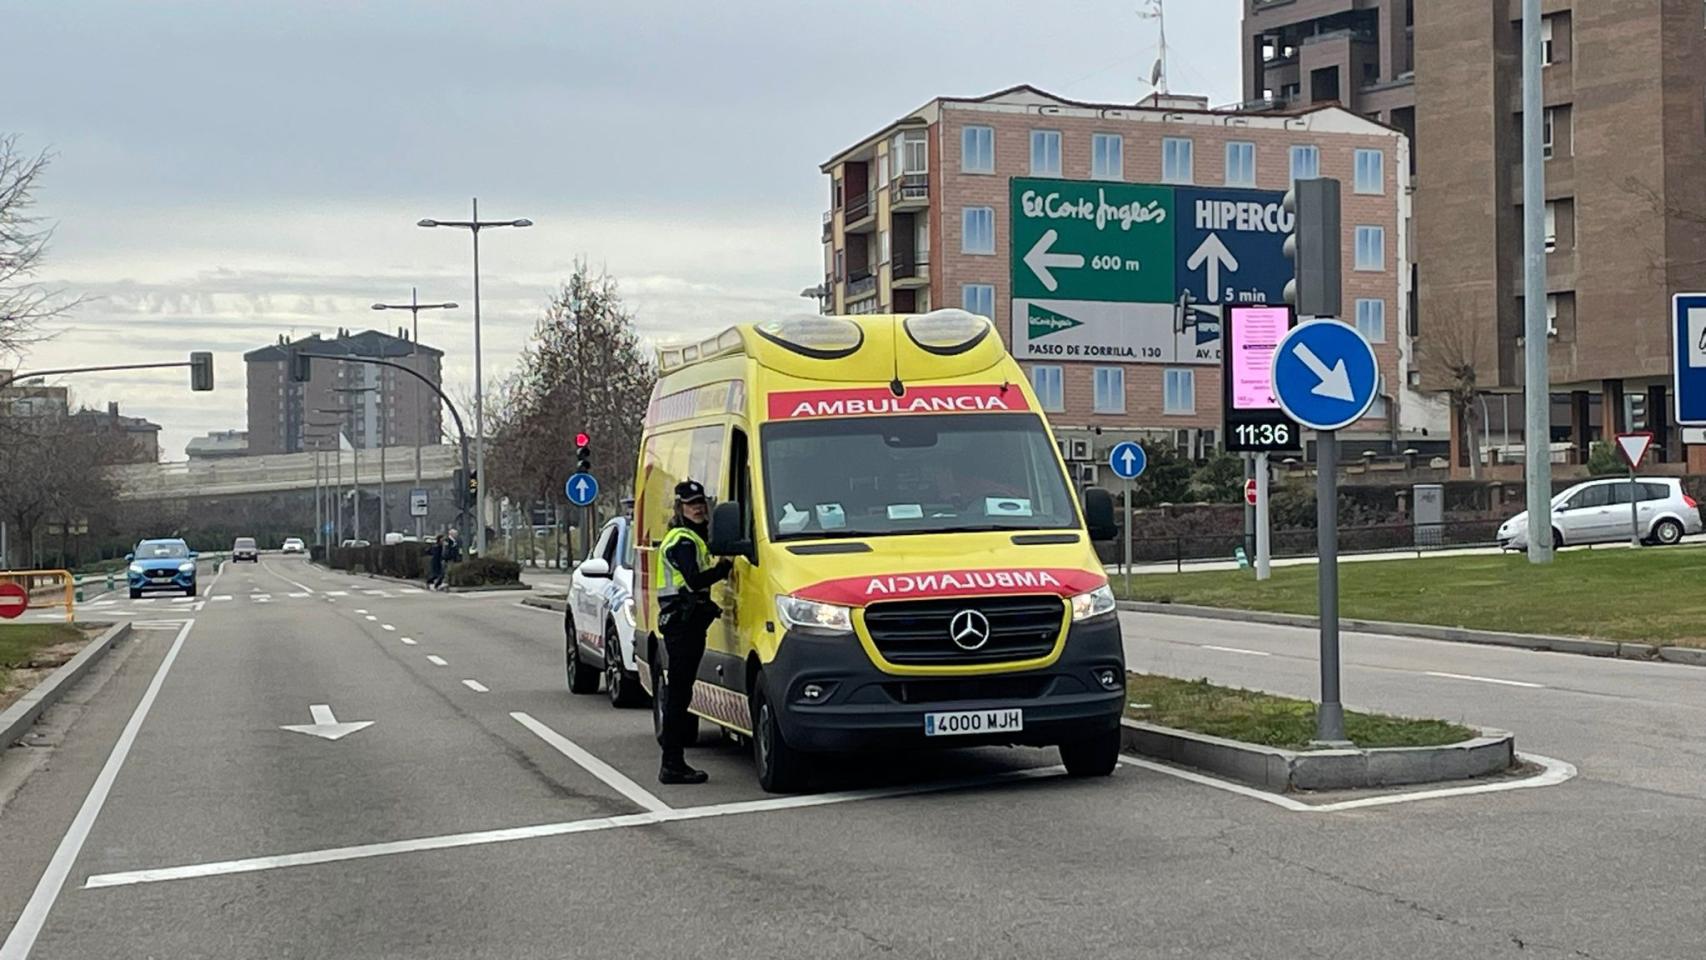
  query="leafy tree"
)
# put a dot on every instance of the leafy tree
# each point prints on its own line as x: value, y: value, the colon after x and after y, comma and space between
x: 1220, y: 479
x: 1603, y: 460
x: 1166, y: 479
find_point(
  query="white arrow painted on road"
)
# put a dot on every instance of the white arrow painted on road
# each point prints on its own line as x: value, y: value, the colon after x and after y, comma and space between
x: 1214, y: 253
x: 1041, y: 261
x: 325, y: 725
x: 1335, y: 383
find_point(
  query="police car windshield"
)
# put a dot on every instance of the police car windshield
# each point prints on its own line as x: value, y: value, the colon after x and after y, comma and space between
x: 878, y: 476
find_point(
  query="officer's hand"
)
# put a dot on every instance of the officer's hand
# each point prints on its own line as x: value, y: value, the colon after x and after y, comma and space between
x: 725, y: 565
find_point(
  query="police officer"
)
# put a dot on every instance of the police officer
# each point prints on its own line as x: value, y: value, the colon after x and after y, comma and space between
x: 684, y: 576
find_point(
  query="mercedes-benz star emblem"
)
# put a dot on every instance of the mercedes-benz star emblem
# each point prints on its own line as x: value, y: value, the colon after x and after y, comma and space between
x: 969, y: 629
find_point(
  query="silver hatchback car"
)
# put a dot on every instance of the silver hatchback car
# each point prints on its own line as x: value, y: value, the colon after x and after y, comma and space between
x: 1598, y: 512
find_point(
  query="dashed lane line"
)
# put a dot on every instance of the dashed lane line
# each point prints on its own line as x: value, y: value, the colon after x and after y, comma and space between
x: 476, y: 686
x: 437, y: 661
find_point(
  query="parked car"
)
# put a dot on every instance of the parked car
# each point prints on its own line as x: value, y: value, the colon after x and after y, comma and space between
x: 244, y: 549
x: 350, y: 542
x: 294, y: 545
x: 161, y: 565
x: 598, y: 620
x: 1598, y: 512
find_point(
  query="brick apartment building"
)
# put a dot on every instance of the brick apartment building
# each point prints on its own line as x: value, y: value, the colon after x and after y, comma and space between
x: 1625, y: 193
x: 397, y: 412
x: 941, y: 208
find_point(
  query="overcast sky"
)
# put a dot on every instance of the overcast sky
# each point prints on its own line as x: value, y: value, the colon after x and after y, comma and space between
x: 227, y: 172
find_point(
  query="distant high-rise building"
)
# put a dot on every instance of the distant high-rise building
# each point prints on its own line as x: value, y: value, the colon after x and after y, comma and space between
x: 397, y: 413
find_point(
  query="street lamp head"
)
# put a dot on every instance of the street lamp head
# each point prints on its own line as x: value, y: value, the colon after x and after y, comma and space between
x: 426, y: 222
x: 523, y: 222
x: 449, y: 306
x: 381, y: 306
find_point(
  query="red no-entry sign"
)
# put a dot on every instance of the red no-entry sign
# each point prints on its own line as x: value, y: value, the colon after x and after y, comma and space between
x: 13, y: 600
x: 1250, y: 491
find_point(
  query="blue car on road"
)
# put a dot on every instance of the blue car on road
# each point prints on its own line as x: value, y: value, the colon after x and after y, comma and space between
x: 162, y: 565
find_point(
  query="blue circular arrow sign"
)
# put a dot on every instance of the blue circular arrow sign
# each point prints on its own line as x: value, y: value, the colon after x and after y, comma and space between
x: 1127, y: 459
x: 582, y: 489
x: 1325, y: 375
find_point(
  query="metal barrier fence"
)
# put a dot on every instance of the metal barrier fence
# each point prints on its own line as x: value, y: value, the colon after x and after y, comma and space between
x: 1418, y: 539
x: 41, y: 588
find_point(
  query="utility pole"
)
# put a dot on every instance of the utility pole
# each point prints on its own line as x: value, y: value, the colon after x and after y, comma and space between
x: 415, y: 306
x: 1537, y: 386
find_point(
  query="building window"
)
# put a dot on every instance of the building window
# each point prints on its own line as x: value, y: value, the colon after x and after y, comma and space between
x: 1551, y: 226
x: 1046, y: 381
x: 1176, y: 160
x: 977, y: 150
x: 1551, y: 314
x: 978, y: 224
x: 909, y: 153
x: 883, y: 246
x: 1110, y: 390
x: 1240, y: 164
x: 1370, y: 171
x: 1179, y: 392
x: 1371, y: 320
x: 1546, y: 41
x: 1107, y: 156
x: 1305, y: 163
x: 1548, y: 118
x: 1045, y: 153
x: 1371, y: 248
x: 840, y: 264
x: 978, y: 298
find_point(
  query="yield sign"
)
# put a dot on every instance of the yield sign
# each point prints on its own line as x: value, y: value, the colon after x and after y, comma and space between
x: 1633, y: 447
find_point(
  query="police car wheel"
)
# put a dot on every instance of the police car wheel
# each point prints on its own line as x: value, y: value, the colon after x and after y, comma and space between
x: 623, y: 687
x: 781, y: 768
x: 582, y: 679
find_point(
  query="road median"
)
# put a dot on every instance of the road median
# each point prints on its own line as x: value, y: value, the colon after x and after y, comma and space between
x: 17, y: 719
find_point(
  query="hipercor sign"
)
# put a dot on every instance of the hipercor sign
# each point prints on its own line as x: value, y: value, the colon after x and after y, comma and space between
x: 880, y: 401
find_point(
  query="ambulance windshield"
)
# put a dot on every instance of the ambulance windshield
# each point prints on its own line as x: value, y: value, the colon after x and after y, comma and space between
x: 877, y: 476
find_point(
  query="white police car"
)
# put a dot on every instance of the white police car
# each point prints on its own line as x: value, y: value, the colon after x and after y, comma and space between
x: 598, y: 619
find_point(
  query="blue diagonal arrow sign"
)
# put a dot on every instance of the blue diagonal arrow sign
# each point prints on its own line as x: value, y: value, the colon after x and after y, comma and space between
x: 1325, y: 374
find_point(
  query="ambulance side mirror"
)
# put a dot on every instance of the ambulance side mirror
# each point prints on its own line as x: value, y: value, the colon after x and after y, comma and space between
x: 1099, y: 514
x: 728, y: 539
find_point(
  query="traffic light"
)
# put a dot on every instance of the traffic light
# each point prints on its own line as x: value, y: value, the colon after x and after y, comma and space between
x: 1313, y: 247
x: 473, y: 486
x: 465, y: 485
x: 583, y: 453
x: 201, y: 371
x: 301, y: 369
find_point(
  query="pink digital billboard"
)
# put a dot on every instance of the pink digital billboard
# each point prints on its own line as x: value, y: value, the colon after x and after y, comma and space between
x: 1255, y: 332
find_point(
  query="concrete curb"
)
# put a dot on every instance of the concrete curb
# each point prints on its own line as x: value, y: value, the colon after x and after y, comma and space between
x: 490, y: 587
x: 1282, y: 771
x: 1526, y: 641
x: 17, y: 719
x: 420, y: 585
x: 546, y: 603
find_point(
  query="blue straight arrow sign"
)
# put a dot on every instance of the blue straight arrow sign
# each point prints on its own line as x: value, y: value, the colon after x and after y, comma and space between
x: 1127, y: 459
x: 581, y: 489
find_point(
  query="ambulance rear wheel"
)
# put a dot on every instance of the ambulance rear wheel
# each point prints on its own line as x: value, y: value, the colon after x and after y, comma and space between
x: 781, y: 768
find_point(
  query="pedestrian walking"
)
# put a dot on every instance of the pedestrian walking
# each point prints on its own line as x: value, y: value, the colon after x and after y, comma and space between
x: 685, y: 575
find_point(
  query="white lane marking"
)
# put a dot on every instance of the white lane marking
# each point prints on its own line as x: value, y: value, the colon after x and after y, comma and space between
x: 263, y: 598
x: 298, y: 596
x: 102, y: 603
x: 23, y: 935
x: 1553, y: 772
x: 436, y: 660
x: 372, y: 617
x: 1247, y: 653
x: 478, y: 838
x: 300, y: 586
x: 1507, y: 683
x: 360, y: 609
x: 408, y: 641
x: 337, y: 593
x: 374, y: 593
x: 529, y: 606
x: 613, y: 778
x: 223, y: 596
x: 387, y: 626
x: 476, y: 686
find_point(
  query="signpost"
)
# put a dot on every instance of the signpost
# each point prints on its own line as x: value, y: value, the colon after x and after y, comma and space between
x: 418, y: 502
x: 1325, y: 376
x: 581, y: 489
x: 1633, y: 447
x: 1253, y: 421
x: 1128, y: 461
x: 1138, y: 272
x: 13, y: 600
x: 1688, y: 356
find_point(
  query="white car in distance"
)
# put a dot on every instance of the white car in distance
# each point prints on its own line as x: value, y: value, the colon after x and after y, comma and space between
x: 598, y: 619
x: 1597, y: 511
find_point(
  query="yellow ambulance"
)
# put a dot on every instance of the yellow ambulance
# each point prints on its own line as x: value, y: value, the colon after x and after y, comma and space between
x: 913, y: 568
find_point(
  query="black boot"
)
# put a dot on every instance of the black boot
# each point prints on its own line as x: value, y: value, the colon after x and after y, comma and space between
x: 677, y: 771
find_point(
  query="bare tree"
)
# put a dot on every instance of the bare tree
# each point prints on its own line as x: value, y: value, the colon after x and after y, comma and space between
x: 1452, y: 355
x: 24, y: 303
x: 53, y: 470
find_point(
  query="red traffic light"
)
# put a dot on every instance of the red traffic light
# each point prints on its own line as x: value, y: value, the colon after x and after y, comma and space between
x: 582, y: 439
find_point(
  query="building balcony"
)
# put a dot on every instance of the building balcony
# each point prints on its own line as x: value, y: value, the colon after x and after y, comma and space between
x: 860, y: 213
x: 861, y: 286
x: 910, y: 273
x: 828, y: 225
x: 909, y: 191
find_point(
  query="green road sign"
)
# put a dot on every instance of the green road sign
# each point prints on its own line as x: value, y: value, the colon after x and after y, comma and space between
x: 1090, y: 240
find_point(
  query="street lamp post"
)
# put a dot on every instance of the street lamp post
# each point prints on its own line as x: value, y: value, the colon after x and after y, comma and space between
x: 474, y: 226
x: 364, y: 392
x: 322, y: 473
x: 338, y: 452
x: 414, y: 306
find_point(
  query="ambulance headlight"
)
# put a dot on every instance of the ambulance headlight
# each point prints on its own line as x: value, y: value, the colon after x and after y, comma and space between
x: 1097, y: 603
x: 810, y: 616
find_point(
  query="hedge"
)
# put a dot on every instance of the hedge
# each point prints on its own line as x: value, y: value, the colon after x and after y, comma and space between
x: 483, y: 571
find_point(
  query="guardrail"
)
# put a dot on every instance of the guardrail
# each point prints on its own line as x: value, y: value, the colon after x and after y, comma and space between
x: 1407, y: 538
x: 284, y: 471
x: 39, y: 586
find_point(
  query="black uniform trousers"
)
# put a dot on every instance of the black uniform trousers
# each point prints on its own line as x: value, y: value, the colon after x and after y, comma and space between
x: 685, y: 648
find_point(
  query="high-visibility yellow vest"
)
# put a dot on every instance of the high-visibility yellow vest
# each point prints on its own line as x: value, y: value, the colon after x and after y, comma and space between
x: 669, y: 580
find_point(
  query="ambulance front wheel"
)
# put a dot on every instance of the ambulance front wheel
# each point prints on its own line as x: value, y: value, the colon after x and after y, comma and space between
x: 781, y: 768
x: 1093, y: 756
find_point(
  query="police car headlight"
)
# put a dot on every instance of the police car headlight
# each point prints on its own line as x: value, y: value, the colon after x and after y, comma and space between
x: 186, y: 567
x: 811, y: 616
x: 628, y: 610
x: 136, y: 568
x: 1098, y: 602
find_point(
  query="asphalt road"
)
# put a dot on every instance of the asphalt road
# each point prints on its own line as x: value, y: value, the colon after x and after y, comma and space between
x: 486, y: 813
